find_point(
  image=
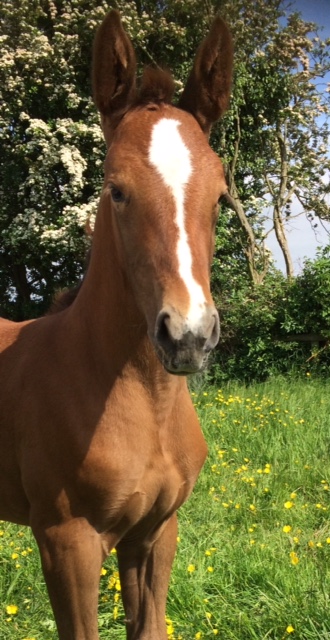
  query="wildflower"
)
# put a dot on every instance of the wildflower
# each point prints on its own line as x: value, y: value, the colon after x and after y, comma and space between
x: 290, y: 628
x: 191, y: 568
x: 288, y: 504
x: 294, y: 558
x: 198, y: 635
x: 252, y: 507
x: 287, y: 528
x: 210, y: 569
x: 12, y: 609
x: 103, y: 572
x: 14, y: 556
x: 328, y: 540
x: 169, y: 627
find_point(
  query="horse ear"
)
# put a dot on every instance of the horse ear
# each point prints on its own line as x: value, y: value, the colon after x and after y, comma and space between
x: 114, y: 67
x: 207, y: 91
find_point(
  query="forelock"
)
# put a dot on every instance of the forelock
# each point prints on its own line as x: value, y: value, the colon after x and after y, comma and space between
x: 157, y: 86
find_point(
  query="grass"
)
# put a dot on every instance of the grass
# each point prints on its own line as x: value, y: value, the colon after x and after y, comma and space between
x: 253, y: 557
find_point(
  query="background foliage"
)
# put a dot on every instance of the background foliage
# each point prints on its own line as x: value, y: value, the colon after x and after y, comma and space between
x: 281, y: 326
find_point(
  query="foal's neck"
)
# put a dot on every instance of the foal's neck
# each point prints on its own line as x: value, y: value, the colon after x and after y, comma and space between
x: 109, y: 319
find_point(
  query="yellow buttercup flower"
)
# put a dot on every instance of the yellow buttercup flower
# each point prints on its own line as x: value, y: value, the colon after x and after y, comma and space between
x: 294, y: 558
x: 12, y: 609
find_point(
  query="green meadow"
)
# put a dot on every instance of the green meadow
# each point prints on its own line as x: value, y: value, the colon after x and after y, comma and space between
x: 253, y: 558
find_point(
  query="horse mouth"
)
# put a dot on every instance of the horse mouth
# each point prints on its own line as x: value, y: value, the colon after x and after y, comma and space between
x: 182, y: 364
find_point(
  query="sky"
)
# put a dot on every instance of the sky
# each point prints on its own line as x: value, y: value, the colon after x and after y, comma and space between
x: 302, y: 238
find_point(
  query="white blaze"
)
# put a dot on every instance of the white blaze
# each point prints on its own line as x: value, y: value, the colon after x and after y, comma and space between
x: 171, y: 157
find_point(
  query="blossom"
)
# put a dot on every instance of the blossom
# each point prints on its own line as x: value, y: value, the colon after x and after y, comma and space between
x: 12, y: 609
x: 294, y: 558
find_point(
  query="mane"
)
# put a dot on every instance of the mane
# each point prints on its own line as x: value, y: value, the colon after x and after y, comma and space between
x: 157, y: 86
x: 63, y: 299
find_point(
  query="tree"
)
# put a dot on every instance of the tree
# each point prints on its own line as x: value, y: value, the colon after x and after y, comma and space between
x: 277, y: 140
x: 51, y: 152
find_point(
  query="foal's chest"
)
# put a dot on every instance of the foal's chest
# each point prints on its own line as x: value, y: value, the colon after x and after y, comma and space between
x: 140, y: 469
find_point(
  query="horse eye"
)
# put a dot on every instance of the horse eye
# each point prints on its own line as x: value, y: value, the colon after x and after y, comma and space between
x: 117, y: 195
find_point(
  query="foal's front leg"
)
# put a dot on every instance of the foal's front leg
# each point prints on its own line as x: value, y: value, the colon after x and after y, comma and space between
x: 145, y: 569
x: 72, y: 556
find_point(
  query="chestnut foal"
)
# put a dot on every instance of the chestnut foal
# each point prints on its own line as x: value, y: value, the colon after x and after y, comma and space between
x: 99, y: 441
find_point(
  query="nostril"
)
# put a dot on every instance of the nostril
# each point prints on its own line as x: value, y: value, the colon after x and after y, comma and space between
x: 213, y: 339
x: 162, y: 333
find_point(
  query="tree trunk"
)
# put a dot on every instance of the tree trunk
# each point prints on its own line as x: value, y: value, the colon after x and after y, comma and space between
x: 280, y: 201
x: 250, y: 245
x: 282, y: 241
x: 23, y: 290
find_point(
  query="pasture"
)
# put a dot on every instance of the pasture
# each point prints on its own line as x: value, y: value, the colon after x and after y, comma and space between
x: 253, y: 559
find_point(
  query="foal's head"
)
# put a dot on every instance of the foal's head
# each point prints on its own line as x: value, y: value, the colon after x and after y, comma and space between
x: 162, y: 185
